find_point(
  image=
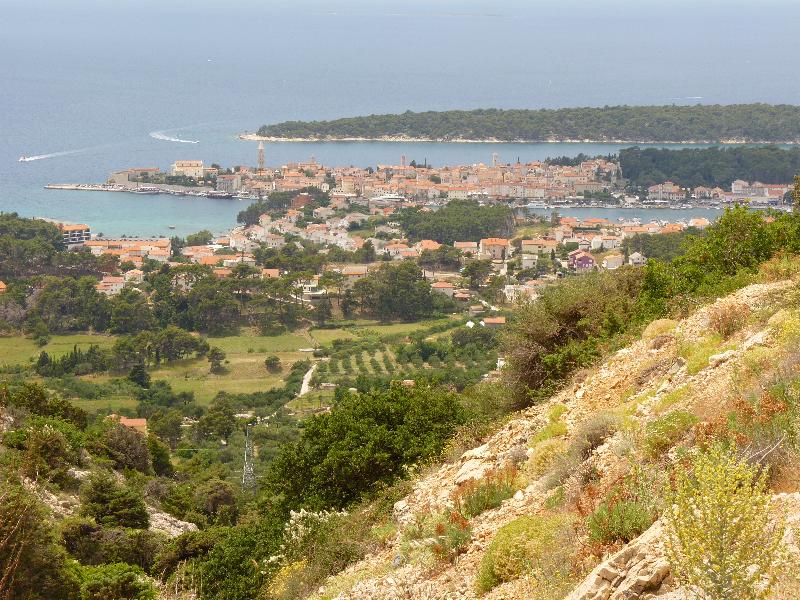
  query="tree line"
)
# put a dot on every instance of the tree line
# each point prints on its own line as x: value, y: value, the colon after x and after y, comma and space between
x: 671, y: 123
x: 710, y: 167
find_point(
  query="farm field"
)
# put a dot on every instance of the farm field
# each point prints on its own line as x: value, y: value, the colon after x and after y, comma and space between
x: 19, y: 350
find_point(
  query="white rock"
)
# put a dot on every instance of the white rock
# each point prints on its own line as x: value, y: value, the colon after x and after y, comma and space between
x: 718, y: 359
x: 472, y: 469
x: 479, y: 452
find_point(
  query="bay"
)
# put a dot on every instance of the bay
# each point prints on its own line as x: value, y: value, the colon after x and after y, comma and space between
x: 98, y: 85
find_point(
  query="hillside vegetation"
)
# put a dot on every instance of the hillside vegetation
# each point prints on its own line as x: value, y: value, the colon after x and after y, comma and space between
x: 628, y: 398
x: 710, y: 167
x: 709, y: 123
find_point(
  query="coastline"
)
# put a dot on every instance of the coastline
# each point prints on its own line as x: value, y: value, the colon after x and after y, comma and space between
x: 254, y: 137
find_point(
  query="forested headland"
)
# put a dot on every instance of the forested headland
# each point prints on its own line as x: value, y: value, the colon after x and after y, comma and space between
x: 699, y: 123
x: 691, y: 167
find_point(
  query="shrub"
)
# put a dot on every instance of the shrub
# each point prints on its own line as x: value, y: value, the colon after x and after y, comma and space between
x: 697, y: 355
x: 551, y: 430
x: 477, y: 496
x: 659, y: 327
x: 540, y: 545
x: 728, y: 319
x: 660, y: 435
x: 272, y: 364
x: 118, y: 580
x: 720, y: 541
x: 452, y: 536
x: 32, y: 564
x: 544, y: 456
x: 618, y: 521
x: 111, y: 504
x: 592, y: 432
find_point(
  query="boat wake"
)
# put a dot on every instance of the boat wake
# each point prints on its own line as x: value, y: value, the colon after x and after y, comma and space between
x: 51, y: 155
x: 162, y: 135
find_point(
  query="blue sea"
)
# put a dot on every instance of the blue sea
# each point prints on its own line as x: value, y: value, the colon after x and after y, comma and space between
x: 97, y: 86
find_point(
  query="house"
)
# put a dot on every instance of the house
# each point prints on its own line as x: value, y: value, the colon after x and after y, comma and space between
x: 466, y: 247
x: 273, y: 240
x: 494, y: 248
x: 427, y: 245
x: 188, y: 168
x: 538, y: 246
x: 613, y: 261
x: 3, y: 287
x: 353, y: 273
x: 637, y: 259
x: 476, y: 309
x: 494, y: 322
x: 395, y: 250
x: 270, y: 273
x: 134, y: 276
x: 581, y: 260
x: 529, y: 261
x: 139, y: 425
x: 110, y: 285
x: 444, y: 287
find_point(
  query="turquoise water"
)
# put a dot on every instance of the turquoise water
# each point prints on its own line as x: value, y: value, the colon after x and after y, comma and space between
x: 88, y: 81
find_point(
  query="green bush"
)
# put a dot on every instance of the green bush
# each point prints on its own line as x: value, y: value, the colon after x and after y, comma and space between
x: 477, y: 496
x: 540, y: 545
x: 113, y: 505
x: 721, y: 540
x: 118, y: 581
x: 452, y: 535
x: 544, y: 455
x: 660, y: 435
x: 618, y: 521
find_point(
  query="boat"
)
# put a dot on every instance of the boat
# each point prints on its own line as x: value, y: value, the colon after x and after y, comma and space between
x: 24, y: 158
x: 147, y: 190
x: 218, y: 194
x: 172, y: 226
x: 536, y: 205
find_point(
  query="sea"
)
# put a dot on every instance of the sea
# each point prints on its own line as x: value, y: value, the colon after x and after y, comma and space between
x: 91, y: 86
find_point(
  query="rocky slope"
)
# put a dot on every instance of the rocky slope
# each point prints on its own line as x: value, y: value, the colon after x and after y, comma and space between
x: 675, y: 365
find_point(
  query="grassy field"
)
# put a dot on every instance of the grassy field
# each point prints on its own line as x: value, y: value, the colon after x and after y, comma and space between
x: 20, y: 350
x: 245, y: 371
x: 376, y: 327
x: 325, y: 337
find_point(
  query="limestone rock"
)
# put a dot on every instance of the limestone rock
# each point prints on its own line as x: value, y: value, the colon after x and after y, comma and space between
x: 638, y: 569
x: 718, y: 359
x: 161, y: 521
x: 472, y: 469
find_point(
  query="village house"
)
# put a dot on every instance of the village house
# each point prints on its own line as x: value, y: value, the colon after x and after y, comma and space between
x: 444, y: 287
x: 110, y: 285
x: 637, y: 259
x: 353, y: 273
x: 494, y: 248
x: 529, y: 261
x: 538, y: 246
x: 466, y: 247
x: 494, y: 322
x: 581, y: 260
x: 3, y: 287
x: 613, y: 261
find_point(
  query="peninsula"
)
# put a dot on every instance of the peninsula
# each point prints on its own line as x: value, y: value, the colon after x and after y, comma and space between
x: 735, y: 123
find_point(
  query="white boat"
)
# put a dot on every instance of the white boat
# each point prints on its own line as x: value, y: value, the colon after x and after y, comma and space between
x: 172, y: 226
x: 23, y: 158
x: 536, y: 205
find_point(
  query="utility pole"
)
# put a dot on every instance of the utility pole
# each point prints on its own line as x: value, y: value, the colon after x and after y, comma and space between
x: 248, y: 474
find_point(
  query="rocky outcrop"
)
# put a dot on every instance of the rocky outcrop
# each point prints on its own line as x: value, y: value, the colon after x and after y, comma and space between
x: 161, y: 521
x: 639, y: 570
